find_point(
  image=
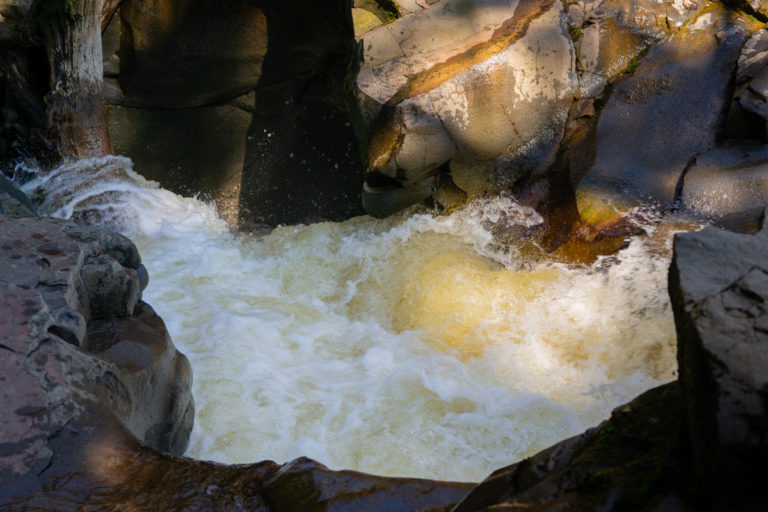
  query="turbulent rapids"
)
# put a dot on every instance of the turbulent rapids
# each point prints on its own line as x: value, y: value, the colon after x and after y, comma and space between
x: 411, y: 346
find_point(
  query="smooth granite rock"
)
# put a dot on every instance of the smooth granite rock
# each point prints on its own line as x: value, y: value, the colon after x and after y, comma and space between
x: 486, y: 93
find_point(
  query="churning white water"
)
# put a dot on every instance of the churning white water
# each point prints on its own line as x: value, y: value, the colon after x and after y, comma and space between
x: 412, y: 346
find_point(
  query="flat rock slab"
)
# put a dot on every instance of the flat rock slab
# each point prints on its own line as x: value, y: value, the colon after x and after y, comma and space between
x: 668, y: 111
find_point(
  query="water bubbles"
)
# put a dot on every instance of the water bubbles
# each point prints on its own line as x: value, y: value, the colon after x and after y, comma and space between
x: 387, y: 346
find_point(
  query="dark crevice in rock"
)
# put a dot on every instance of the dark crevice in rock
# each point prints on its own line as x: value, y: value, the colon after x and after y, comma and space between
x: 64, y: 334
x: 677, y: 201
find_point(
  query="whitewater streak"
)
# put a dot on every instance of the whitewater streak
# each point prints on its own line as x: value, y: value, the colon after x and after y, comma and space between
x: 413, y: 346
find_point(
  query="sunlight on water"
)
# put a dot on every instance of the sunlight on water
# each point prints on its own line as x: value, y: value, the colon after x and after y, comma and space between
x: 411, y: 346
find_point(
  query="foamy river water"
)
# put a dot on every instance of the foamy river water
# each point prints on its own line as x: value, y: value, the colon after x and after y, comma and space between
x: 411, y: 346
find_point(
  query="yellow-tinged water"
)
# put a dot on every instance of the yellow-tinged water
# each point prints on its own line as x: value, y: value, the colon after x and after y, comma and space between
x: 412, y: 346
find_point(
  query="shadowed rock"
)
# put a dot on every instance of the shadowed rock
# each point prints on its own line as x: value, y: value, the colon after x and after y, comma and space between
x: 95, y: 402
x: 719, y: 289
x: 728, y: 185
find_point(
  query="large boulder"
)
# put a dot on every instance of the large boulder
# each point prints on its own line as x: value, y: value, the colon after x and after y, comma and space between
x: 728, y: 185
x: 633, y: 461
x: 670, y: 109
x: 177, y: 53
x: 242, y: 102
x: 485, y: 85
x: 719, y: 287
x: 748, y: 117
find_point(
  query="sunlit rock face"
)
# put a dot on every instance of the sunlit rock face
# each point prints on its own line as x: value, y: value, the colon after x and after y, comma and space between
x: 485, y: 86
x: 668, y: 111
x: 81, y: 354
x: 729, y: 185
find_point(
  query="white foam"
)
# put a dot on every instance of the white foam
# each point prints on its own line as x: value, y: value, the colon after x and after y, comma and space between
x: 410, y: 346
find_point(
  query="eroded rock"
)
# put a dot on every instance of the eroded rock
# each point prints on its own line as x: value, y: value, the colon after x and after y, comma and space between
x: 63, y: 370
x: 668, y: 111
x: 488, y: 93
x: 95, y: 403
x: 719, y: 289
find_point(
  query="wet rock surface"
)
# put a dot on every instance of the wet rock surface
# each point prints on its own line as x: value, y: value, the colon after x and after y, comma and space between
x: 240, y: 101
x: 636, y: 460
x: 96, y: 403
x: 728, y: 185
x: 13, y: 201
x: 669, y: 110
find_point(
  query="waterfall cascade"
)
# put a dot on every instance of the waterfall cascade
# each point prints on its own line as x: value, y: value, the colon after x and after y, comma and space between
x: 414, y: 346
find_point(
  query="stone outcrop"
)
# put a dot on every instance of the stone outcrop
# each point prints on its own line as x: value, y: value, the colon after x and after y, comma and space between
x: 635, y: 460
x: 719, y: 289
x: 484, y: 85
x: 604, y: 106
x: 80, y: 349
x: 239, y: 101
x: 728, y: 185
x: 667, y: 112
x: 748, y: 117
x: 95, y: 403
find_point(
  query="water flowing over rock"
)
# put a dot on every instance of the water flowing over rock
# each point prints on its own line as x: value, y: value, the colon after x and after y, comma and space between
x: 240, y: 101
x: 96, y: 399
x: 696, y: 444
